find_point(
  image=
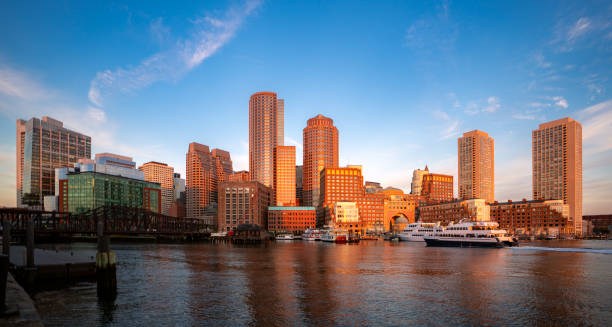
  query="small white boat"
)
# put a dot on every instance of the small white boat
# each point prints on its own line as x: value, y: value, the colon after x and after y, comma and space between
x: 311, y: 235
x: 285, y: 237
x: 219, y: 234
x: 472, y: 234
x: 334, y: 235
x: 417, y: 232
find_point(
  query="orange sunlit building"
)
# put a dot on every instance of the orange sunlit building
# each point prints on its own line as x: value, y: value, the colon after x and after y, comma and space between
x: 291, y: 219
x: 437, y: 188
x: 557, y: 165
x: 266, y: 131
x: 284, y: 176
x: 239, y: 176
x: 476, y: 166
x: 533, y: 218
x: 320, y: 151
x: 162, y: 174
x: 204, y: 170
x: 399, y: 208
x: 242, y: 203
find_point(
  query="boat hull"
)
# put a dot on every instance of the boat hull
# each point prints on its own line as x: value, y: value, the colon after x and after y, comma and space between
x: 406, y: 238
x: 469, y: 243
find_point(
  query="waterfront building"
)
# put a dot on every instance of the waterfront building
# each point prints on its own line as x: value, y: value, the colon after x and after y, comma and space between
x: 320, y: 151
x: 346, y: 212
x: 476, y: 166
x: 399, y: 208
x: 417, y: 180
x: 205, y: 169
x: 162, y: 174
x: 266, y: 131
x: 299, y: 185
x: 291, y: 219
x: 437, y: 188
x: 284, y: 176
x: 373, y: 187
x: 599, y: 221
x: 177, y: 209
x: 242, y: 203
x: 454, y: 211
x: 345, y: 184
x: 533, y: 218
x: 43, y: 145
x: 239, y: 176
x: 557, y: 165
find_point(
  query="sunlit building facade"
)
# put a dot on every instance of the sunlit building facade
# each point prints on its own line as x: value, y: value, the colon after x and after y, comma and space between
x: 476, y: 166
x: 557, y: 165
x: 291, y: 219
x: 417, y: 180
x: 437, y: 188
x: 533, y: 218
x: 320, y: 151
x: 162, y: 174
x: 454, y: 211
x: 284, y: 176
x: 399, y: 208
x: 266, y: 131
x: 242, y: 203
x: 239, y: 176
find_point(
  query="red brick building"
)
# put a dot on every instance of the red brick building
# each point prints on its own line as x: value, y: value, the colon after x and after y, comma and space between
x: 239, y: 176
x: 242, y: 203
x: 437, y: 188
x: 534, y: 218
x: 291, y: 219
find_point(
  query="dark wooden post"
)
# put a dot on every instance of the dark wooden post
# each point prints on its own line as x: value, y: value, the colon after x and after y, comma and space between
x: 106, y: 272
x: 30, y: 268
x: 6, y: 237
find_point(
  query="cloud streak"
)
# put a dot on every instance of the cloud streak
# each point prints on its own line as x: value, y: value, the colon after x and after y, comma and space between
x: 208, y: 36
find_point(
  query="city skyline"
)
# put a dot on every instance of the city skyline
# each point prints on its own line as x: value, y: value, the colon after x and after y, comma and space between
x: 388, y: 130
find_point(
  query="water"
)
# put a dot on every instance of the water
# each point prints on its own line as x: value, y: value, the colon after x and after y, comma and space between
x: 553, y: 283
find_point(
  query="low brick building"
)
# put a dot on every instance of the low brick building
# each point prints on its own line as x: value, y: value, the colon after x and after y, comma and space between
x: 242, y: 202
x: 533, y: 218
x: 291, y: 219
x: 454, y: 211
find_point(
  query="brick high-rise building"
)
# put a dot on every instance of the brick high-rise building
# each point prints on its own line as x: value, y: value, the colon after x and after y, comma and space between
x: 557, y: 165
x: 243, y: 203
x: 204, y: 170
x: 437, y: 188
x: 299, y: 184
x: 476, y: 166
x: 284, y: 176
x: 43, y: 145
x: 266, y: 128
x: 163, y: 174
x: 320, y: 151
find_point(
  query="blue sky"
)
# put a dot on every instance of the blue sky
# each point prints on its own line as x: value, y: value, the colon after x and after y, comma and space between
x: 401, y: 80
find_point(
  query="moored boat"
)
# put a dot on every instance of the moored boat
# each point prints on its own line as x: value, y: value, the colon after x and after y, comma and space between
x: 334, y: 235
x: 285, y: 237
x: 416, y: 232
x: 311, y: 235
x: 472, y: 234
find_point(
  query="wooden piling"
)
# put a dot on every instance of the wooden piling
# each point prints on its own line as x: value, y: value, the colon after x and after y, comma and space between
x: 30, y: 269
x: 106, y: 271
x: 6, y: 237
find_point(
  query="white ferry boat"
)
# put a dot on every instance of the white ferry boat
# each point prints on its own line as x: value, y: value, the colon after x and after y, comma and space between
x: 334, y: 235
x: 472, y: 234
x: 311, y: 235
x: 285, y: 237
x: 416, y: 232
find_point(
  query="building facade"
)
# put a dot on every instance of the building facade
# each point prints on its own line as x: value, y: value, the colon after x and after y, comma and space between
x: 373, y: 187
x: 599, y: 221
x: 533, y: 218
x: 204, y: 171
x: 266, y: 131
x: 437, y: 188
x: 557, y: 165
x: 291, y: 219
x: 299, y: 185
x: 162, y: 174
x: 115, y: 160
x: 242, y: 203
x: 447, y: 212
x: 400, y: 209
x: 239, y: 176
x: 320, y: 151
x: 417, y: 180
x: 476, y: 166
x: 43, y: 145
x: 284, y: 176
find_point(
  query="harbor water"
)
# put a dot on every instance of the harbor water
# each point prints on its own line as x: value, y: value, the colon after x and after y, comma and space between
x: 374, y: 283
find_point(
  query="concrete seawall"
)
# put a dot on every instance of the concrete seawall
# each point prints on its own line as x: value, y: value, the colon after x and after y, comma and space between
x: 17, y: 298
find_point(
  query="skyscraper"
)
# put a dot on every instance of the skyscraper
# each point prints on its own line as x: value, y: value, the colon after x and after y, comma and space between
x: 163, y: 174
x: 476, y: 166
x: 284, y: 176
x: 437, y: 188
x: 43, y: 145
x: 204, y: 170
x: 557, y: 165
x: 417, y: 180
x: 320, y: 151
x: 266, y: 128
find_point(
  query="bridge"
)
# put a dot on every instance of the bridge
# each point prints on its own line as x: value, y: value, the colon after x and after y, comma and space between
x: 115, y: 220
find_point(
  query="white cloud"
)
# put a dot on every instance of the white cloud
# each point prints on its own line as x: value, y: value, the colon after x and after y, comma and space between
x: 580, y: 27
x: 209, y: 35
x: 560, y: 102
x: 492, y: 104
x: 19, y: 85
x: 596, y: 127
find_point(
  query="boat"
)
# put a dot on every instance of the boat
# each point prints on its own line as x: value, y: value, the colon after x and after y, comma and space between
x: 472, y: 234
x: 311, y: 235
x: 417, y: 231
x: 285, y: 237
x: 335, y: 235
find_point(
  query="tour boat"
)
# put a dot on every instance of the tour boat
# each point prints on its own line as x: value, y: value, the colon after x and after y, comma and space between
x: 285, y: 237
x: 417, y: 231
x: 334, y: 235
x: 311, y: 235
x: 472, y: 234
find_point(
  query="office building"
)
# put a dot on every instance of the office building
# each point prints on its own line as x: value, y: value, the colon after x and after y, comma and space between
x: 284, y: 176
x: 320, y: 151
x: 291, y: 219
x: 242, y: 203
x: 43, y: 145
x: 538, y: 218
x: 178, y: 185
x: 115, y: 160
x: 557, y: 165
x: 476, y: 166
x: 239, y: 176
x: 299, y: 185
x: 417, y: 180
x: 437, y: 188
x: 373, y: 187
x: 454, y: 211
x: 266, y: 128
x: 162, y: 174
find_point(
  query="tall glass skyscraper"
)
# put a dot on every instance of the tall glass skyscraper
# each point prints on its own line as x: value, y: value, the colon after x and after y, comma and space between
x: 266, y: 131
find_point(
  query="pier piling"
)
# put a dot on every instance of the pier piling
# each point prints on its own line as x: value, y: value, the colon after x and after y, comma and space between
x: 106, y: 271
